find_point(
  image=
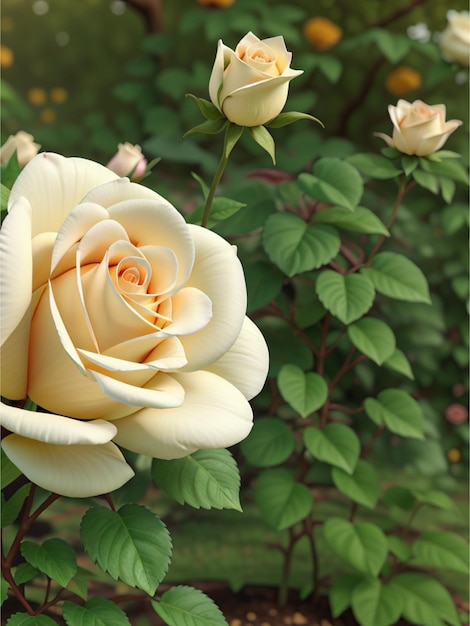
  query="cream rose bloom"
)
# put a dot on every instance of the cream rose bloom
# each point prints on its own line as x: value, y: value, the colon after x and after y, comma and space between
x: 123, y: 323
x: 454, y: 41
x: 128, y: 160
x: 24, y: 145
x: 419, y: 128
x: 250, y: 85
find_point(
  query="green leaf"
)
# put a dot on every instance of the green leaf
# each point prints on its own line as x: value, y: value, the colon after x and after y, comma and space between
x: 334, y: 181
x: 392, y: 45
x: 362, y: 486
x: 282, y: 340
x: 376, y: 603
x: 281, y: 500
x: 347, y: 297
x: 132, y: 544
x: 23, y: 619
x: 221, y: 209
x: 362, y: 546
x: 265, y: 140
x: 399, y: 363
x: 395, y: 276
x: 55, y: 558
x: 361, y: 220
x: 232, y: 135
x: 25, y: 572
x: 209, y: 110
x: 9, y: 472
x: 426, y: 180
x: 289, y: 117
x: 269, y: 443
x: 341, y: 591
x: 186, y: 606
x: 209, y: 127
x: 305, y: 393
x: 374, y: 165
x: 263, y: 284
x: 409, y: 163
x: 206, y: 478
x: 12, y: 507
x: 449, y: 168
x: 443, y: 550
x: 336, y: 444
x: 330, y: 67
x: 11, y: 171
x: 295, y: 246
x: 425, y: 600
x: 399, y: 496
x: 447, y: 186
x: 439, y: 499
x: 95, y: 612
x: 398, y: 410
x: 79, y: 583
x: 399, y: 548
x: 454, y: 217
x: 373, y: 338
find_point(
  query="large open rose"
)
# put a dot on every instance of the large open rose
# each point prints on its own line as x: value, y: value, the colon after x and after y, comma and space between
x: 250, y: 84
x: 454, y: 40
x: 123, y: 323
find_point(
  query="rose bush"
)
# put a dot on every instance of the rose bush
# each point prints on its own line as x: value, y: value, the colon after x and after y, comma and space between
x: 250, y: 84
x: 24, y: 145
x: 454, y: 41
x: 128, y: 160
x: 419, y: 128
x: 123, y: 323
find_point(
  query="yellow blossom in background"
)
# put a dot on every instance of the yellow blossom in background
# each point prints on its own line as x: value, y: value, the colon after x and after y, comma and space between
x: 48, y: 115
x: 219, y: 4
x: 322, y: 33
x: 37, y: 96
x: 59, y: 95
x: 6, y: 56
x: 454, y: 455
x: 402, y: 80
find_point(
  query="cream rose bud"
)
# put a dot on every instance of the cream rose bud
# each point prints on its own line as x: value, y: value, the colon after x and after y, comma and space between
x: 24, y: 145
x: 419, y: 128
x: 123, y: 323
x: 454, y: 40
x: 128, y: 160
x: 250, y: 85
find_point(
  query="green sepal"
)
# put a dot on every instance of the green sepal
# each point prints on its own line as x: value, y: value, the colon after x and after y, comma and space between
x: 209, y: 127
x: 209, y: 110
x: 233, y: 133
x: 265, y: 140
x: 289, y: 117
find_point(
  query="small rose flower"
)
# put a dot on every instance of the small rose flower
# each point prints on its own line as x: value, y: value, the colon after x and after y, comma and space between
x: 419, y: 128
x: 402, y: 80
x: 24, y: 145
x: 249, y: 85
x: 322, y: 33
x: 128, y: 161
x: 123, y: 323
x: 454, y: 40
x: 456, y: 413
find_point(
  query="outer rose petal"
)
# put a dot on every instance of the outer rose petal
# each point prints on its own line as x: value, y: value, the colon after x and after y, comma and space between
x: 17, y: 266
x: 218, y: 273
x: 54, y: 184
x: 214, y: 415
x: 55, y: 429
x: 75, y: 471
x: 246, y: 364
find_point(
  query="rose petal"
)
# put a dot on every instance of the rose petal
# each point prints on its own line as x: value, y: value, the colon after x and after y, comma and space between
x: 191, y: 311
x: 54, y: 185
x: 246, y: 364
x: 14, y: 361
x: 55, y: 429
x: 16, y: 264
x: 75, y: 471
x: 162, y: 391
x: 214, y: 415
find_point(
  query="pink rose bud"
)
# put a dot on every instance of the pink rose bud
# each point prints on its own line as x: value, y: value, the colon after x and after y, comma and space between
x: 128, y: 161
x: 24, y: 145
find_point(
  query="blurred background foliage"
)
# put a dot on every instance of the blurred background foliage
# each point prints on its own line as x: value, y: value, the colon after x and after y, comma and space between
x: 84, y: 76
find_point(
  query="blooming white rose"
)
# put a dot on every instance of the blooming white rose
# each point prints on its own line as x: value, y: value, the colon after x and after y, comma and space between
x: 128, y: 160
x: 454, y: 41
x: 123, y: 323
x: 419, y: 128
x: 250, y: 85
x: 24, y: 145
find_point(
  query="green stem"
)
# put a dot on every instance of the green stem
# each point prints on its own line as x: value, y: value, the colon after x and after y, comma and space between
x: 215, y: 183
